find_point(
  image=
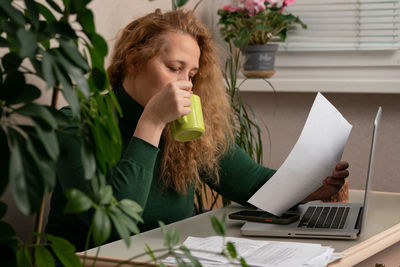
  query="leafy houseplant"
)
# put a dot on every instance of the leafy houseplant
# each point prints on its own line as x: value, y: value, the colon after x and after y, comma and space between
x: 251, y: 26
x: 39, y: 44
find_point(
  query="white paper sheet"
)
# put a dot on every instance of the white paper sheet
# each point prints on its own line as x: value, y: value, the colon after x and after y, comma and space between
x: 313, y: 158
x: 257, y: 253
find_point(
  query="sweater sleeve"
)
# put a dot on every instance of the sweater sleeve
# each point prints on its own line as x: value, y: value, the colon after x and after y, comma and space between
x: 131, y: 178
x: 240, y: 176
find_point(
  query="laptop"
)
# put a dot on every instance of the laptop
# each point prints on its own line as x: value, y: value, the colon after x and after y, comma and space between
x: 324, y: 220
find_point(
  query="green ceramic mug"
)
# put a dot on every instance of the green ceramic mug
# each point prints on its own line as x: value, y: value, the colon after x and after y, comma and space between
x: 190, y: 126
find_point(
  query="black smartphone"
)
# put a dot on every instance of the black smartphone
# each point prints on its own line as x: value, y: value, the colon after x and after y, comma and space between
x: 263, y: 216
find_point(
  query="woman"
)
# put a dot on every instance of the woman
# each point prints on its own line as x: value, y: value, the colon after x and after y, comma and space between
x: 159, y: 60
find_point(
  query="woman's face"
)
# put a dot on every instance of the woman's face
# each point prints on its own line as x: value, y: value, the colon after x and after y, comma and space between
x: 178, y: 59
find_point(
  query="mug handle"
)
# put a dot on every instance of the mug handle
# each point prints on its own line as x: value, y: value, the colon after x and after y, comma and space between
x: 183, y: 119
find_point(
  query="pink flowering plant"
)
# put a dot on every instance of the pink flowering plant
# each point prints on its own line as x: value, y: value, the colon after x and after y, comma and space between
x: 256, y: 21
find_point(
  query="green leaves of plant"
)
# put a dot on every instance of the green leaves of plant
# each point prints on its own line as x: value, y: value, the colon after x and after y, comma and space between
x: 231, y: 249
x: 28, y: 42
x: 218, y: 226
x: 38, y: 112
x: 77, y: 201
x: 12, y: 12
x: 11, y: 61
x: 43, y: 257
x: 131, y: 208
x: 178, y: 3
x: 171, y: 237
x: 64, y: 250
x: 26, y: 188
x: 101, y: 227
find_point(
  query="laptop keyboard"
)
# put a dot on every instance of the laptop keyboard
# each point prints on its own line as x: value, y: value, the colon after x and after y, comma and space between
x: 324, y: 217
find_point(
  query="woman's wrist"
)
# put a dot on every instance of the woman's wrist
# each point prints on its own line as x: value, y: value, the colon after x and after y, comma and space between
x: 149, y: 129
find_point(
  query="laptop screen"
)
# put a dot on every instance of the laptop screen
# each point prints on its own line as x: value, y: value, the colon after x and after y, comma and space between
x: 370, y: 167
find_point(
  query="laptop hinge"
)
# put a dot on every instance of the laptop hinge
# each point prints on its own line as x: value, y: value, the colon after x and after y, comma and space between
x: 359, y: 219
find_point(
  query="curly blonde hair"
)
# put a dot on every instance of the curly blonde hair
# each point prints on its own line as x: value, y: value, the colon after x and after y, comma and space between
x: 181, y: 163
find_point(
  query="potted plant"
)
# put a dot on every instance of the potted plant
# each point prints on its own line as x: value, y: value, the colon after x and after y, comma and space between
x: 39, y: 44
x: 251, y: 25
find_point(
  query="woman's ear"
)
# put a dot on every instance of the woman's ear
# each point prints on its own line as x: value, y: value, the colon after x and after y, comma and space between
x: 131, y: 69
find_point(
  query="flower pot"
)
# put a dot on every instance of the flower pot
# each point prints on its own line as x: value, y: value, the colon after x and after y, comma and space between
x: 259, y: 60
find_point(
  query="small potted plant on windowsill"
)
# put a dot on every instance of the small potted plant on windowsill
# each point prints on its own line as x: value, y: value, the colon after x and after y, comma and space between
x: 251, y: 25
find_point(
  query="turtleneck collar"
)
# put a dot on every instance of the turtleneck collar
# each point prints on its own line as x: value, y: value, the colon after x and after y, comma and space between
x: 131, y: 110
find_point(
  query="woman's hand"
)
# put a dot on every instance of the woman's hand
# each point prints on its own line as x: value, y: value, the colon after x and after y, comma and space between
x: 170, y: 103
x: 332, y: 184
x: 167, y: 105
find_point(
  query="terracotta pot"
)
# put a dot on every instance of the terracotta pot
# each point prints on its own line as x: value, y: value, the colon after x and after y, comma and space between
x: 259, y: 60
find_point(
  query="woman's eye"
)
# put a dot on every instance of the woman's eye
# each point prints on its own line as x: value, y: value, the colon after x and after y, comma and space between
x: 174, y: 69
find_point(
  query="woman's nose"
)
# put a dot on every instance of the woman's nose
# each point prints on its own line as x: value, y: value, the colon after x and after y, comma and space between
x: 184, y: 76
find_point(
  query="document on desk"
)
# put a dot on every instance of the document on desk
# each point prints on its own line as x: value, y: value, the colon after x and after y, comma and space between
x: 258, y: 253
x: 313, y: 158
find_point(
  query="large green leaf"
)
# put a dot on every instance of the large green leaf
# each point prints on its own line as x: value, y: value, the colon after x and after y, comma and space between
x: 28, y: 93
x: 64, y: 251
x: 28, y: 42
x: 32, y: 12
x: 218, y: 227
x: 17, y: 179
x: 75, y: 72
x: 128, y: 222
x: 13, y: 86
x: 49, y: 140
x: 98, y: 78
x: 71, y: 50
x: 121, y: 228
x: 63, y: 28
x: 101, y: 227
x: 26, y: 188
x: 77, y: 201
x: 45, y: 165
x: 88, y: 160
x: 189, y: 255
x: 68, y: 92
x: 86, y: 19
x: 99, y: 45
x: 131, y: 208
x: 54, y: 6
x: 231, y: 249
x: 12, y: 12
x: 106, y: 195
x: 43, y: 257
x: 47, y: 14
x: 47, y: 70
x: 11, y: 61
x: 23, y: 257
x: 38, y: 112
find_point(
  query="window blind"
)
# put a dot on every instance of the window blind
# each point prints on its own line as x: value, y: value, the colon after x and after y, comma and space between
x: 345, y: 25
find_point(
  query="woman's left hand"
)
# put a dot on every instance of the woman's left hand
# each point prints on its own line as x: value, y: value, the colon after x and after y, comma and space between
x: 332, y: 184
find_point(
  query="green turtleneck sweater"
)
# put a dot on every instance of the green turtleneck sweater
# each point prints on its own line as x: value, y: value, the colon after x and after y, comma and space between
x: 136, y: 177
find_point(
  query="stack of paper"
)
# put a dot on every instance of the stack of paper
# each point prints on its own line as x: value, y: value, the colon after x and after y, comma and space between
x: 257, y: 253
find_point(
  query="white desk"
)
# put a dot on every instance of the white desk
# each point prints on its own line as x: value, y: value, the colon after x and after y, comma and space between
x: 379, y: 242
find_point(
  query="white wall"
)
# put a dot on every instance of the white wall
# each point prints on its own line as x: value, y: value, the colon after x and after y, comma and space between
x: 285, y: 114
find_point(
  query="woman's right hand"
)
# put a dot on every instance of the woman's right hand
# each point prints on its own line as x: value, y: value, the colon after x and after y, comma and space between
x: 165, y: 106
x: 170, y: 103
